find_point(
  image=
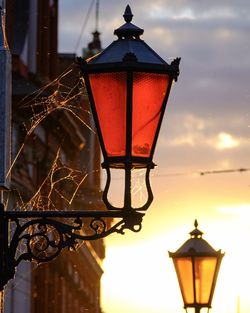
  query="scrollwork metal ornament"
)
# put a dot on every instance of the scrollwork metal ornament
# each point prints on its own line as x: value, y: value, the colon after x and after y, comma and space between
x: 40, y: 236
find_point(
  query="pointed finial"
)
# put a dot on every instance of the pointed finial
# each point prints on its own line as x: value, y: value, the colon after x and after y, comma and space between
x: 195, y: 223
x: 128, y: 14
x: 128, y: 30
x: 196, y: 233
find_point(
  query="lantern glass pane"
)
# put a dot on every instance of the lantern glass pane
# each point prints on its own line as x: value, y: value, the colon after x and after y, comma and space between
x: 204, y: 276
x: 109, y: 93
x: 149, y: 91
x: 183, y: 267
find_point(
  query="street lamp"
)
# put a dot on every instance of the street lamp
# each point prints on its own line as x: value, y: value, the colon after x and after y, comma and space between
x: 197, y: 265
x: 128, y: 86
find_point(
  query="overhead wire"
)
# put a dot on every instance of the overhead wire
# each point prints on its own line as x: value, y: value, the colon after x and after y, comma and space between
x: 84, y: 24
x: 97, y: 15
x: 203, y: 173
x: 225, y: 171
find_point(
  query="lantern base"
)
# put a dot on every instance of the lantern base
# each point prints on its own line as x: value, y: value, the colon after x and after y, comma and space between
x: 197, y: 307
x: 123, y: 163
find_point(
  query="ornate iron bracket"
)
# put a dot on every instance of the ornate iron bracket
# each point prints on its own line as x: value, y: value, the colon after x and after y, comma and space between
x: 40, y: 236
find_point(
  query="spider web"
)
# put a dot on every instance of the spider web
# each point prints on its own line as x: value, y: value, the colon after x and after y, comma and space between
x: 55, y: 96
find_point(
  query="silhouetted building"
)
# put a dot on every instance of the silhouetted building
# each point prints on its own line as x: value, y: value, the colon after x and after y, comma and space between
x: 94, y: 46
x: 47, y: 138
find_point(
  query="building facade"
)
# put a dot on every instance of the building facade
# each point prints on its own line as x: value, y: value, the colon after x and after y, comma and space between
x: 55, y: 159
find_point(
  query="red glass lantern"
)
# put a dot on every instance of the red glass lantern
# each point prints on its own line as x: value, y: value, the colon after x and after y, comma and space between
x: 129, y: 130
x: 197, y: 265
x: 128, y: 86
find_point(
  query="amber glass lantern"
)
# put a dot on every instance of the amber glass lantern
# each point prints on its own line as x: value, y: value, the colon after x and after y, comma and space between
x: 128, y: 85
x: 197, y: 265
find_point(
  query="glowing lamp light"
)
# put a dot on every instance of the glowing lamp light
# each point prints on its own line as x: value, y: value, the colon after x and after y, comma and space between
x: 197, y: 265
x: 128, y: 85
x: 130, y: 115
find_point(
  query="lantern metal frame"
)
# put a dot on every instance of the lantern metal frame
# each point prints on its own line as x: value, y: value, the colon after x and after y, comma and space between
x: 40, y: 236
x: 129, y: 61
x: 194, y: 248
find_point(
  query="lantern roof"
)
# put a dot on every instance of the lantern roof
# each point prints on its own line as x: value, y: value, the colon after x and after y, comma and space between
x: 196, y: 246
x: 130, y: 48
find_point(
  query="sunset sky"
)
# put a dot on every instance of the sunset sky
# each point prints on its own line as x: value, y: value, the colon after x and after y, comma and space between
x: 206, y: 128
